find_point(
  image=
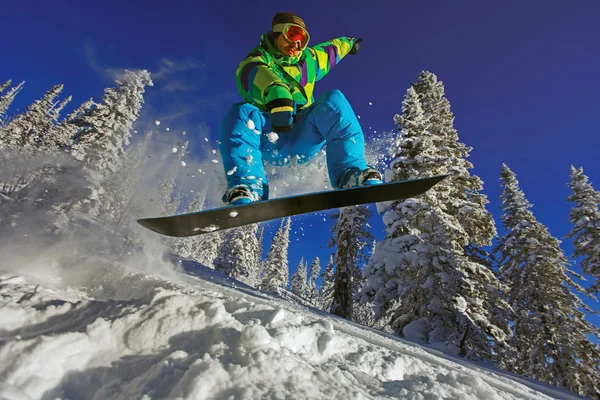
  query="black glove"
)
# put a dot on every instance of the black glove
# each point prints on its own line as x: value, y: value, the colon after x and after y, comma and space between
x: 355, y: 47
x: 282, y: 121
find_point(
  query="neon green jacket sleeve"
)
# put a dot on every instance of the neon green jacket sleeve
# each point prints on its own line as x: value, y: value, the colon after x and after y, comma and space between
x: 328, y: 54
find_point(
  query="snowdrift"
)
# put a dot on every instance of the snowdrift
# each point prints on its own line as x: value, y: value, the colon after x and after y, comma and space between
x: 210, y: 337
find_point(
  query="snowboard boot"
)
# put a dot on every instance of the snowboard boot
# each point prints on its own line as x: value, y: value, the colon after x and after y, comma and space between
x: 367, y: 177
x: 238, y: 195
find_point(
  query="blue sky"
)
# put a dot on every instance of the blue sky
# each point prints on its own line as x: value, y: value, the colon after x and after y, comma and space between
x: 522, y: 77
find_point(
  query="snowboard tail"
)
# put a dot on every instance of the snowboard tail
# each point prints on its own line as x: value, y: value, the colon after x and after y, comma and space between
x: 227, y: 217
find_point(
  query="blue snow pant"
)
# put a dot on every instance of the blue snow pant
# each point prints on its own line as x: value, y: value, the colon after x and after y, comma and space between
x: 244, y: 141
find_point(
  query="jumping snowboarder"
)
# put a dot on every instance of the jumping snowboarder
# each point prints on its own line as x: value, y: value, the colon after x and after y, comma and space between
x: 280, y: 119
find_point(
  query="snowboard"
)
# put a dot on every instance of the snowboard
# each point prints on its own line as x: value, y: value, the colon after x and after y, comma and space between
x: 232, y: 216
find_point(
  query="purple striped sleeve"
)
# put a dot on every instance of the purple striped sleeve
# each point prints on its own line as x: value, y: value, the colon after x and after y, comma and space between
x: 304, y: 77
x: 246, y: 74
x: 332, y: 54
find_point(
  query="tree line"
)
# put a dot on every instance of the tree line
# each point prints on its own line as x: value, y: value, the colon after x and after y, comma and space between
x: 436, y: 277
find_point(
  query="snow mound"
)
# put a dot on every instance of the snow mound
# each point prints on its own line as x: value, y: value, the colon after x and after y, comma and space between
x: 209, y: 338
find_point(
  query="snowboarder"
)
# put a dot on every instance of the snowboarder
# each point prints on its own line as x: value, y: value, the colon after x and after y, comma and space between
x: 280, y: 119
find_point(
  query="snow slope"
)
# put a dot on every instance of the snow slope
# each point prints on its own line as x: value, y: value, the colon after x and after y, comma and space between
x: 208, y: 337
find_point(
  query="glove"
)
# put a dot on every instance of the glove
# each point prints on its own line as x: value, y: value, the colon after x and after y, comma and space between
x: 355, y: 47
x: 281, y: 108
x: 282, y: 120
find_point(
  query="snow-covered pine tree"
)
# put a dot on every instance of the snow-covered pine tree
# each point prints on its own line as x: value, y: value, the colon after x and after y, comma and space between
x: 57, y: 109
x: 37, y: 178
x: 237, y: 254
x: 550, y: 331
x: 363, y: 312
x: 585, y: 218
x: 169, y: 196
x: 275, y: 268
x: 206, y: 248
x: 298, y: 282
x: 422, y: 277
x: 102, y: 132
x: 351, y: 236
x: 464, y: 198
x: 326, y: 289
x: 260, y: 237
x: 67, y: 130
x: 184, y: 247
x: 313, y: 276
x: 33, y: 129
x: 5, y: 101
x: 5, y: 85
x: 202, y: 248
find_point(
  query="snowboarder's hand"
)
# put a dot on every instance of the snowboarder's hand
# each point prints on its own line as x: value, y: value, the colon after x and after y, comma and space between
x: 355, y: 47
x: 282, y: 121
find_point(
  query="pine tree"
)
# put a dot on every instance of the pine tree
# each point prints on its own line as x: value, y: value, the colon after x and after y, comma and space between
x: 351, y: 235
x: 423, y: 273
x: 463, y: 197
x: 33, y: 129
x: 275, y: 268
x: 550, y: 330
x: 298, y: 281
x: 100, y: 133
x: 103, y: 130
x: 237, y: 254
x: 585, y: 218
x: 205, y: 248
x: 37, y: 178
x: 5, y: 102
x: 202, y: 248
x: 313, y: 276
x: 169, y: 195
x: 260, y: 236
x: 68, y: 129
x: 5, y: 85
x: 326, y: 289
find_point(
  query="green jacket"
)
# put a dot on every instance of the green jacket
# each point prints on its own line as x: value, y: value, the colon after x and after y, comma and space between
x: 267, y: 74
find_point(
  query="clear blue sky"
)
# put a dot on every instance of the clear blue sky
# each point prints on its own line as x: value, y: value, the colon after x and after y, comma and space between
x: 521, y: 76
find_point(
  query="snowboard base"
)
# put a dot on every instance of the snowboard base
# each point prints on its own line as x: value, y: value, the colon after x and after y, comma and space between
x: 201, y: 222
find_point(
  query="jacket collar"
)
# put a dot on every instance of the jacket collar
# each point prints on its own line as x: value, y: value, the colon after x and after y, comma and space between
x: 279, y: 57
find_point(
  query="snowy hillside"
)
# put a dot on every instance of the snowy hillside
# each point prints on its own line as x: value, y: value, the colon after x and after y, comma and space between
x: 127, y: 335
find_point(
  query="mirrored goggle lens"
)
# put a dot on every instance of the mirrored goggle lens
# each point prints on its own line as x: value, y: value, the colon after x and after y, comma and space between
x: 296, y: 34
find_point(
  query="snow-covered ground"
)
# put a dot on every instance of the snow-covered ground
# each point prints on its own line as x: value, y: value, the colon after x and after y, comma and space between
x: 130, y: 335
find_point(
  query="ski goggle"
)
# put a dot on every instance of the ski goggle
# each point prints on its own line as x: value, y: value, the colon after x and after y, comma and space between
x: 293, y: 33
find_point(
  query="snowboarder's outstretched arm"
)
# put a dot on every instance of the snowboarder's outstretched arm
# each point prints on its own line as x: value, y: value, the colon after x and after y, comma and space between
x: 328, y: 54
